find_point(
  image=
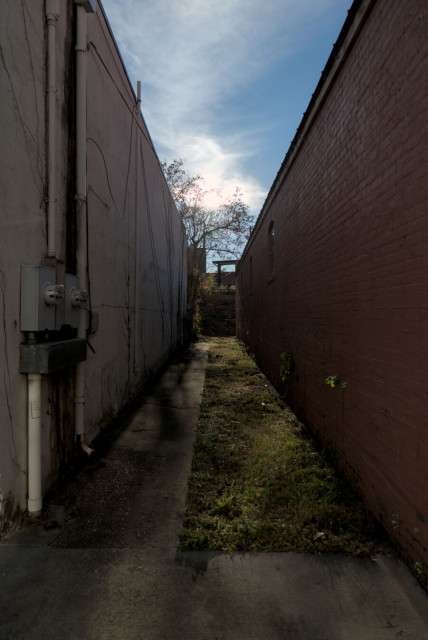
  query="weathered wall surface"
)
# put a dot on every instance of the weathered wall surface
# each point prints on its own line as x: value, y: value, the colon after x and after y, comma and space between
x: 22, y: 222
x: 348, y: 292
x: 134, y: 229
x: 136, y: 240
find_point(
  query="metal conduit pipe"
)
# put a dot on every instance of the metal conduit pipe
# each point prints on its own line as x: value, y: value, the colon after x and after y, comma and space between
x: 52, y: 15
x: 80, y: 198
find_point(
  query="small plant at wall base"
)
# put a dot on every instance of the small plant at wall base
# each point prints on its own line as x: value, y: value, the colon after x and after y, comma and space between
x: 287, y: 367
x: 395, y: 521
x: 334, y: 381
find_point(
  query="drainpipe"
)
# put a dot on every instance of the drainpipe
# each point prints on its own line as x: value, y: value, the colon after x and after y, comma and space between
x: 34, y: 444
x: 136, y: 247
x: 52, y: 15
x: 79, y: 394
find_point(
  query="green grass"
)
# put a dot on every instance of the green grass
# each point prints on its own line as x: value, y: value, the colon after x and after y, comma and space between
x: 258, y: 482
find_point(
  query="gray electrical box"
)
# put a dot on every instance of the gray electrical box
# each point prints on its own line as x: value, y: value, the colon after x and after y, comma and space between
x: 36, y: 314
x: 48, y: 357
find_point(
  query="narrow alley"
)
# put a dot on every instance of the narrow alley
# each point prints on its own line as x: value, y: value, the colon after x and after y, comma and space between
x: 112, y: 572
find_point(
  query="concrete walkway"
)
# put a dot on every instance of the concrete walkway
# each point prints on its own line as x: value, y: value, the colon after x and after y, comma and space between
x: 113, y: 572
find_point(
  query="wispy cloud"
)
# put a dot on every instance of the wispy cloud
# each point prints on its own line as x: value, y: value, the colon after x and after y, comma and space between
x: 192, y: 56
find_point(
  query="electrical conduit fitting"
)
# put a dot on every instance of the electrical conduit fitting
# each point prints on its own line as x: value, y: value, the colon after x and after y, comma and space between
x: 85, y: 447
x: 52, y: 10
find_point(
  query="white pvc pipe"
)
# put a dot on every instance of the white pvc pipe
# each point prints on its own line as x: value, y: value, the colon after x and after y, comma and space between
x: 79, y: 393
x: 52, y: 15
x: 34, y: 444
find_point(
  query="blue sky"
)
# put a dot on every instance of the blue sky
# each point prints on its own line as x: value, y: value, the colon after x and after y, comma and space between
x: 225, y: 82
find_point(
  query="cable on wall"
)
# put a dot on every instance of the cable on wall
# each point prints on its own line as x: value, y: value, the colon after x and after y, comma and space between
x: 168, y: 229
x: 93, y: 47
x: 108, y: 42
x: 129, y: 166
x: 121, y: 216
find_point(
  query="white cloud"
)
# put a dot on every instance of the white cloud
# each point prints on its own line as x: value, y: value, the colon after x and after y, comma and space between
x: 219, y: 163
x: 194, y: 55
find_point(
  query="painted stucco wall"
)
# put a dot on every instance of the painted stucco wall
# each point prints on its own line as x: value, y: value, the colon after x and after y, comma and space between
x: 349, y: 289
x: 137, y: 248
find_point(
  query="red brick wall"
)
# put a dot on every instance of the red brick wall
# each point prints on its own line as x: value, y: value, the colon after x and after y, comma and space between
x: 349, y: 294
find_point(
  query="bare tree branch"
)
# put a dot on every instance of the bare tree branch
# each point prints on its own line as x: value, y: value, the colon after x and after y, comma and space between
x: 223, y: 230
